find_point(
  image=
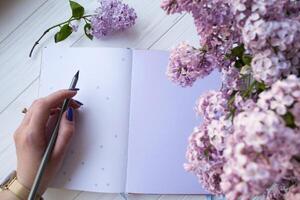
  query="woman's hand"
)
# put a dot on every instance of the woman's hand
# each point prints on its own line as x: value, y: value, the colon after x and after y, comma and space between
x: 32, y: 136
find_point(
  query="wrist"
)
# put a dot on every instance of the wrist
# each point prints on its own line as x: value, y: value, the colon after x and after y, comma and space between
x: 12, y: 186
x: 8, y: 195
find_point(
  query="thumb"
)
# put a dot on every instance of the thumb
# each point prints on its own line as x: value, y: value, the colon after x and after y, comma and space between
x: 65, y: 133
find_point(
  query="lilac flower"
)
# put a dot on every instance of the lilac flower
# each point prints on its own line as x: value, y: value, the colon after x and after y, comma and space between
x: 277, y: 190
x: 204, y: 160
x: 259, y: 34
x: 269, y: 67
x: 74, y: 26
x: 266, y: 9
x: 177, y: 6
x: 257, y: 154
x: 170, y: 6
x: 187, y: 64
x: 293, y: 193
x: 243, y: 105
x: 112, y: 16
x: 212, y: 105
x: 215, y: 25
x: 282, y: 96
x: 214, y: 22
x: 271, y: 39
x: 218, y: 131
x: 231, y: 80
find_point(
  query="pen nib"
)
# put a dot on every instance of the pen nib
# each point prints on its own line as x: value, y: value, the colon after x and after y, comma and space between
x: 77, y: 74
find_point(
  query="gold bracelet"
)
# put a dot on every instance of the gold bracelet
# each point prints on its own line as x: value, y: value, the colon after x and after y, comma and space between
x: 15, y: 187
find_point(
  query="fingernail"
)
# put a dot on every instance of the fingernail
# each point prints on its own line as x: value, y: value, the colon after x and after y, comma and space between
x: 78, y: 102
x: 70, y: 114
x: 74, y: 89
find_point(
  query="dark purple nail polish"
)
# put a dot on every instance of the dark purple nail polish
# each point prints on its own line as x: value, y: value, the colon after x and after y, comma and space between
x: 74, y: 89
x: 78, y: 102
x: 70, y: 114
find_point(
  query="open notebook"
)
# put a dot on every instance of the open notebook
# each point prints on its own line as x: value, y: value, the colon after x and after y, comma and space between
x: 132, y: 131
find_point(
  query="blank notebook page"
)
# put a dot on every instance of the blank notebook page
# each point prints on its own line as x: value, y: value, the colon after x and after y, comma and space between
x: 162, y: 117
x: 96, y: 160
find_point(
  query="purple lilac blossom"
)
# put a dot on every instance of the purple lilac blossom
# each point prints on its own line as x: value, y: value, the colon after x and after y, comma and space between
x: 212, y: 105
x: 216, y: 27
x: 171, y: 6
x: 257, y: 154
x: 270, y: 29
x: 269, y: 67
x: 231, y: 81
x: 282, y: 96
x: 204, y: 160
x: 207, y: 142
x: 112, y: 16
x: 214, y: 22
x: 187, y: 64
x: 74, y: 27
x: 293, y: 193
x: 242, y: 105
x: 277, y: 190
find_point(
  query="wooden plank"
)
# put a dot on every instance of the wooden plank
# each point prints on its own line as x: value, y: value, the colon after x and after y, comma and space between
x: 97, y: 196
x: 151, y: 24
x: 143, y: 197
x: 18, y: 71
x: 194, y: 197
x: 184, y: 30
x: 52, y: 193
x: 10, y: 120
x: 171, y: 197
x: 14, y: 12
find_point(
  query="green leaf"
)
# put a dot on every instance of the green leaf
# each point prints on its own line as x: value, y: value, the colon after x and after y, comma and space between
x: 238, y: 51
x: 239, y: 64
x: 206, y: 152
x: 77, y: 10
x: 289, y: 120
x: 260, y: 87
x: 247, y: 59
x: 87, y: 30
x: 63, y: 33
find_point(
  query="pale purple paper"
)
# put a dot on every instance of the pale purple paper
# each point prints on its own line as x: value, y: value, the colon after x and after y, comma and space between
x: 162, y: 117
x: 96, y: 159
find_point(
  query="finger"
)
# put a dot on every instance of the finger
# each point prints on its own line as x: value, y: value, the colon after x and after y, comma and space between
x: 41, y: 108
x: 54, y: 111
x: 26, y: 118
x: 65, y: 133
x: 75, y: 104
x: 50, y: 125
x: 55, y: 99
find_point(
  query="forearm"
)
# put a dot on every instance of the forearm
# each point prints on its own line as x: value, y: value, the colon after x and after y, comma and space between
x: 7, y: 195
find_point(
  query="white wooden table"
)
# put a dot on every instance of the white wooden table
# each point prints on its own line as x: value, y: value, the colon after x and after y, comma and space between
x: 23, y: 21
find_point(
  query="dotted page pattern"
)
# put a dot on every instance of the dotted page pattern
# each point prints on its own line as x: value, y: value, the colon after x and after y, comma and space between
x: 96, y: 159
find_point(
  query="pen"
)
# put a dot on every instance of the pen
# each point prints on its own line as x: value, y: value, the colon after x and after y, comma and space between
x: 50, y: 146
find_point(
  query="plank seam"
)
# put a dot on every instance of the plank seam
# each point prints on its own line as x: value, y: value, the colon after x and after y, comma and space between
x: 22, y: 92
x: 23, y: 21
x: 162, y: 35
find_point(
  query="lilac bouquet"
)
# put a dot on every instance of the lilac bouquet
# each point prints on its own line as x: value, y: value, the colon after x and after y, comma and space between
x: 249, y: 142
x: 111, y: 16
